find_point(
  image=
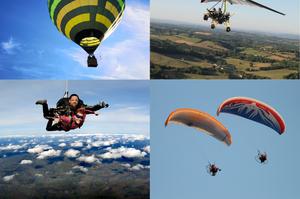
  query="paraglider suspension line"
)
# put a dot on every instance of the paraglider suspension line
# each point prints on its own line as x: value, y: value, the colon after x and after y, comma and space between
x: 224, y: 5
x: 216, y: 4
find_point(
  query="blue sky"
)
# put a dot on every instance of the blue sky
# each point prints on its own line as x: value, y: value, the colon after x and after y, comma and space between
x: 179, y: 154
x: 244, y: 18
x: 128, y: 112
x: 32, y: 48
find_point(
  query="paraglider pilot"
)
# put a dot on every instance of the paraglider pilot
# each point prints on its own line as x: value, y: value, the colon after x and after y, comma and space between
x: 213, y: 169
x: 69, y: 113
x: 262, y: 157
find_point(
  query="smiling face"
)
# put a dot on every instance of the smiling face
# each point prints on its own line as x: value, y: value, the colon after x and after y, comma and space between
x: 73, y: 101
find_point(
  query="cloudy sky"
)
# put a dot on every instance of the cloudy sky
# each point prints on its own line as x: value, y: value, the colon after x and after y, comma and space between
x: 32, y: 48
x: 83, y: 149
x: 128, y: 112
x: 244, y: 18
x: 179, y: 154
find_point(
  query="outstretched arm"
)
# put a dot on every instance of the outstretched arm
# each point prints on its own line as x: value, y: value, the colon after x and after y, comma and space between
x: 97, y: 106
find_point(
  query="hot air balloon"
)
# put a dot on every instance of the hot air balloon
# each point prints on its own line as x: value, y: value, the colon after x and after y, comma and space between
x: 86, y: 22
x: 255, y: 110
x: 201, y: 121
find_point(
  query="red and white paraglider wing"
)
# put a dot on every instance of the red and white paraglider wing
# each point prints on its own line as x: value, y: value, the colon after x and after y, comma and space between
x: 253, y: 110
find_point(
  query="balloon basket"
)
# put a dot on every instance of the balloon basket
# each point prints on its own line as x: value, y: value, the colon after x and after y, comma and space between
x: 92, y: 61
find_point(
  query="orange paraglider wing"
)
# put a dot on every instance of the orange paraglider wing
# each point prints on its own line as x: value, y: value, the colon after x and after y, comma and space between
x: 201, y: 121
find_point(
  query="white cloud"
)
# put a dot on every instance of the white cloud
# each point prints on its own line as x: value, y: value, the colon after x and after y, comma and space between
x: 100, y: 143
x: 110, y: 155
x: 69, y: 173
x: 81, y: 168
x: 137, y: 167
x: 77, y: 144
x: 62, y: 145
x: 131, y: 57
x: 123, y: 152
x: 137, y: 18
x: 10, y: 46
x: 127, y: 165
x: 8, y: 178
x: 71, y: 153
x: 128, y: 59
x: 87, y: 147
x: 89, y: 141
x: 49, y: 153
x: 88, y: 159
x: 26, y: 162
x: 76, y: 54
x: 12, y: 147
x: 39, y: 149
x: 147, y: 149
x: 38, y: 175
x: 132, y: 138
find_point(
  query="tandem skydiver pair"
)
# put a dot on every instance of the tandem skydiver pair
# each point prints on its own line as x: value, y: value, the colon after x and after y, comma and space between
x: 69, y: 114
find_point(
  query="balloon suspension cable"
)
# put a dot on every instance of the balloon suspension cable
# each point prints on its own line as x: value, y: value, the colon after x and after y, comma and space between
x: 216, y: 4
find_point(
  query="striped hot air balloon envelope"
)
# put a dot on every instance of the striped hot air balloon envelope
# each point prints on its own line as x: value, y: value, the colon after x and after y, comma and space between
x: 86, y: 22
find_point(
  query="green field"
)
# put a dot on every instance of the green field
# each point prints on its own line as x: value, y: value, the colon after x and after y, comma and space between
x: 191, y: 52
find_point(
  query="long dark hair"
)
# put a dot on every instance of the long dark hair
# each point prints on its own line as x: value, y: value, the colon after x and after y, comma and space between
x: 73, y: 96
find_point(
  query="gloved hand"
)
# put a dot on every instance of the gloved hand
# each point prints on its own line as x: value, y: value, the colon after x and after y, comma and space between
x: 103, y: 104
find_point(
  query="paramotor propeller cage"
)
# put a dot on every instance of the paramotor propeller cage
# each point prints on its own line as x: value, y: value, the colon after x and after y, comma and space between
x: 218, y: 16
x: 224, y: 16
x: 257, y: 158
x: 208, y: 170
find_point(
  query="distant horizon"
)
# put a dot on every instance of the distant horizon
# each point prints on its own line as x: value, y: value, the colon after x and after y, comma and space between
x: 293, y: 36
x: 147, y: 136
